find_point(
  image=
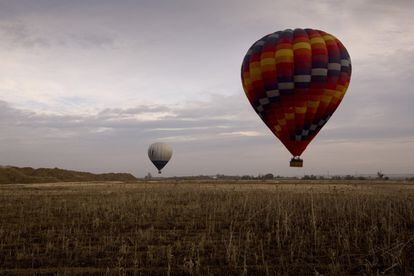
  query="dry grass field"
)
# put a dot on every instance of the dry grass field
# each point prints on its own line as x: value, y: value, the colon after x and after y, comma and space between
x: 208, y: 228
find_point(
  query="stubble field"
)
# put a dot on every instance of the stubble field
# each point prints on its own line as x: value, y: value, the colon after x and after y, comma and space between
x: 214, y: 227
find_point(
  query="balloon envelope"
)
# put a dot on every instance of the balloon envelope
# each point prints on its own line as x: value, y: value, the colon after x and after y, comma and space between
x: 295, y: 80
x: 159, y: 154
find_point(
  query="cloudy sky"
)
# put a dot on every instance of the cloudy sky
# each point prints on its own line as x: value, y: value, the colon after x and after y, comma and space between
x: 88, y: 85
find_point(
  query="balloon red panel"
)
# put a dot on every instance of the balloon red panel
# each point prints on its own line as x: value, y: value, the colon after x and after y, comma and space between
x: 295, y: 80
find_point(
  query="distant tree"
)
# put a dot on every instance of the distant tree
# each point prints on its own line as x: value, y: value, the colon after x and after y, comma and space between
x: 268, y: 176
x: 220, y: 176
x: 148, y: 176
x: 349, y: 177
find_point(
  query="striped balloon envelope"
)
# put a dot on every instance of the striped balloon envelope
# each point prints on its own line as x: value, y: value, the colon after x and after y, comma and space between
x: 159, y: 154
x: 295, y: 80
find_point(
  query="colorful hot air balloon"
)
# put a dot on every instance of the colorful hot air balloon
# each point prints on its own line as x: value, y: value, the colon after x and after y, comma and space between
x: 159, y: 154
x: 295, y: 80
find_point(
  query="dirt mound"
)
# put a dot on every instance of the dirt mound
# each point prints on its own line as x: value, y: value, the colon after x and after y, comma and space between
x: 44, y: 175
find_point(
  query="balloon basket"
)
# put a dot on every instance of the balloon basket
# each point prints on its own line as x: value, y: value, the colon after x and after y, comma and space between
x: 296, y: 162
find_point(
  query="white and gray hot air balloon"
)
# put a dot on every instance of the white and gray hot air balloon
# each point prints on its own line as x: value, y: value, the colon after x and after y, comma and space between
x: 159, y: 154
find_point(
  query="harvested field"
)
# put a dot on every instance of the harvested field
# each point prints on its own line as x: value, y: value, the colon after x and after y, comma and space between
x: 210, y: 227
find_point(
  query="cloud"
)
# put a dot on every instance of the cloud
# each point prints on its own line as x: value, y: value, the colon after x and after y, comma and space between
x: 20, y: 35
x: 17, y: 34
x: 89, y: 84
x: 35, y: 138
x: 220, y: 112
x: 243, y: 133
x: 90, y: 40
x: 200, y: 131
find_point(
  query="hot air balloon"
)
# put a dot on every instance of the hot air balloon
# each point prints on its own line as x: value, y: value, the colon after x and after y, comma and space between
x: 159, y: 154
x: 295, y: 80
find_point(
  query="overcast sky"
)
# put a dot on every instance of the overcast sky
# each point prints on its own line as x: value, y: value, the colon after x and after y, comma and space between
x: 88, y: 85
